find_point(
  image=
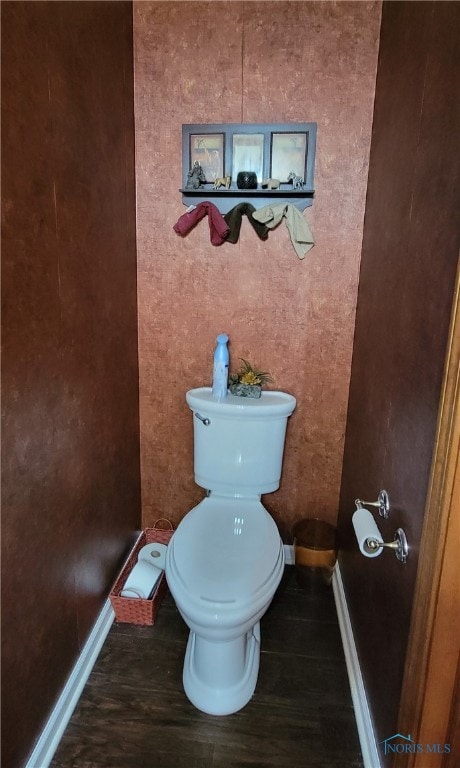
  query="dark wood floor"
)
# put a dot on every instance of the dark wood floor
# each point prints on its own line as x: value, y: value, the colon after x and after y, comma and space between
x: 133, y: 712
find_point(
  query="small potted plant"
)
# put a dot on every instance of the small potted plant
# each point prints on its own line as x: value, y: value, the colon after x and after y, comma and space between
x: 248, y: 381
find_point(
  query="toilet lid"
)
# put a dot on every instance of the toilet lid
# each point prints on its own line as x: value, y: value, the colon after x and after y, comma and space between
x: 226, y: 549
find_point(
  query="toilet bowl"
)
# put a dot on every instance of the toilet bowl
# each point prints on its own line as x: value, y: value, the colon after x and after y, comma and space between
x: 226, y: 559
x: 223, y: 566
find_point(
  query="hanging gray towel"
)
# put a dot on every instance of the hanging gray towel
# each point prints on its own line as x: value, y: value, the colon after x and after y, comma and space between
x: 301, y: 236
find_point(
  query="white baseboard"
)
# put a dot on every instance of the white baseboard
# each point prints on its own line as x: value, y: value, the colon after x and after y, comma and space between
x: 364, y: 725
x: 65, y: 705
x: 366, y: 733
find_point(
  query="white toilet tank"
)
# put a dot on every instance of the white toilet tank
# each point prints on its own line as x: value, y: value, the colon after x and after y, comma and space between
x: 239, y: 442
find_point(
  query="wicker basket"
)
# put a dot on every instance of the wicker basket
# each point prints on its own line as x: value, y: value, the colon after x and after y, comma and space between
x: 131, y: 610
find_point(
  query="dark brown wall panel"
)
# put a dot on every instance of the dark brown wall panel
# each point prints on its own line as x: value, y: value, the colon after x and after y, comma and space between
x: 71, y: 496
x: 409, y: 261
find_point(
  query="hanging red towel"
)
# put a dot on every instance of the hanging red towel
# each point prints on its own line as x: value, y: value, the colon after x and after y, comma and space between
x: 218, y: 227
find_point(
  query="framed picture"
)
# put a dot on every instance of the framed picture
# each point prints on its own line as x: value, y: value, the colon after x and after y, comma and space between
x: 288, y: 154
x: 248, y: 154
x: 209, y: 150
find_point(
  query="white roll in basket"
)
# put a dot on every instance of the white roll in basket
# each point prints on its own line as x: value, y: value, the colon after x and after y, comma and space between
x: 141, y: 581
x: 154, y: 554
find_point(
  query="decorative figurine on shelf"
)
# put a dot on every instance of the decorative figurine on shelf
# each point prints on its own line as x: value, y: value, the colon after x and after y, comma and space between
x: 195, y: 177
x: 224, y: 181
x: 270, y: 183
x: 297, y: 181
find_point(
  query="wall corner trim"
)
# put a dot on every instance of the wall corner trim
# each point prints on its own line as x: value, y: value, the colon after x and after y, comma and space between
x: 57, y: 722
x: 364, y: 724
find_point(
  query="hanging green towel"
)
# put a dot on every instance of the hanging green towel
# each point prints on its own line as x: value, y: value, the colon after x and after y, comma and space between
x: 234, y: 217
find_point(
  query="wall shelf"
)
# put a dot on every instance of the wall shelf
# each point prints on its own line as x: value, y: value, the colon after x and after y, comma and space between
x: 271, y: 151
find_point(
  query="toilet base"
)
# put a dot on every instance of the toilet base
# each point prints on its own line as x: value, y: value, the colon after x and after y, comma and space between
x: 220, y: 677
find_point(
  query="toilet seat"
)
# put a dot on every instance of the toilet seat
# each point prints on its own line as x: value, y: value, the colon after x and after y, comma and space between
x: 223, y: 565
x: 225, y: 551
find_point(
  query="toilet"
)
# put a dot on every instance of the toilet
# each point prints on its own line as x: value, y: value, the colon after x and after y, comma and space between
x: 226, y: 559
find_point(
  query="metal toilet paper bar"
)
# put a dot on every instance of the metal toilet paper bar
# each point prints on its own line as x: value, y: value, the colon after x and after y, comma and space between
x: 383, y: 503
x: 399, y: 544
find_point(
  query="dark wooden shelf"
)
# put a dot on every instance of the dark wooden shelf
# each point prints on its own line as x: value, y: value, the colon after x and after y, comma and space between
x: 209, y: 191
x: 226, y: 199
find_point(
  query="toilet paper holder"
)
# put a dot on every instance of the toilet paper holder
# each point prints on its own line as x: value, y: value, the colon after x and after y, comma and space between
x: 383, y: 503
x: 399, y: 545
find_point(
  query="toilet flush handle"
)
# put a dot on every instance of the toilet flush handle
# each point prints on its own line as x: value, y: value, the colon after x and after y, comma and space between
x: 205, y: 421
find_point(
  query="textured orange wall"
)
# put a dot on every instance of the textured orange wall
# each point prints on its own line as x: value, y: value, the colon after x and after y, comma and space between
x: 215, y: 62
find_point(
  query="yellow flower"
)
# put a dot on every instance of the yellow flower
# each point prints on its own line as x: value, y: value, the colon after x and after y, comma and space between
x: 249, y: 377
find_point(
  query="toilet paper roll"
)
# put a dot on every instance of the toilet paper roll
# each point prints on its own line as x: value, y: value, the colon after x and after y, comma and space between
x: 154, y: 554
x: 141, y: 581
x: 365, y: 528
